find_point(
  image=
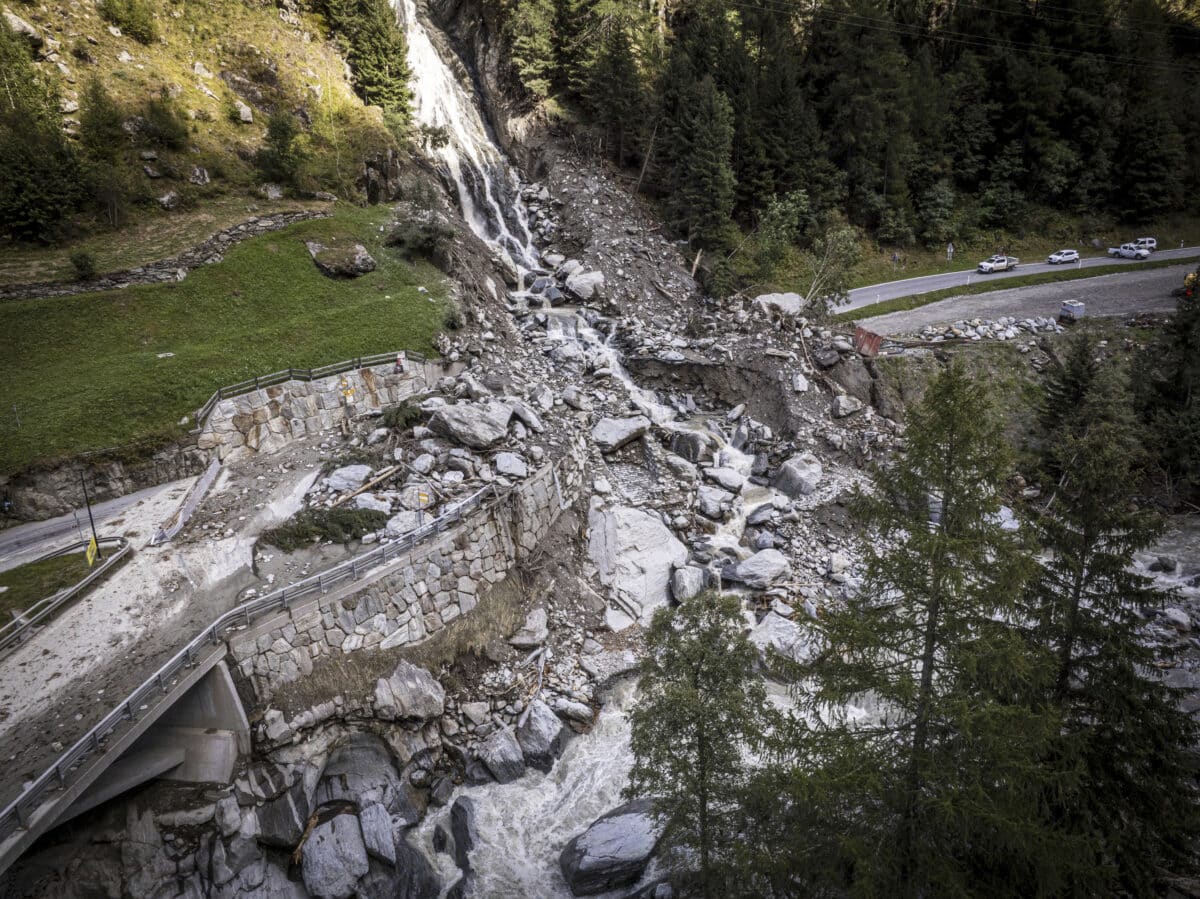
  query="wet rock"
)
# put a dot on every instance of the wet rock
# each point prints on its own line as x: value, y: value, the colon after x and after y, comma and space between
x: 763, y: 569
x: 691, y: 445
x: 281, y: 821
x: 410, y: 693
x: 613, y: 852
x: 335, y: 857
x: 378, y: 833
x: 363, y: 771
x: 586, y: 286
x: 502, y: 755
x: 464, y: 829
x: 798, y: 476
x: 477, y: 425
x: 540, y: 736
x: 713, y: 502
x: 572, y: 710
x: 728, y: 478
x: 611, y: 434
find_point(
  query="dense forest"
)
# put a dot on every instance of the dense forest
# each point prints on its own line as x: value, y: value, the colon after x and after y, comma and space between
x: 915, y: 120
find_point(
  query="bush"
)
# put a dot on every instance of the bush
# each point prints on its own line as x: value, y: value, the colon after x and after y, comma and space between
x: 84, y: 264
x: 279, y: 159
x: 313, y: 525
x: 134, y: 17
x: 165, y: 125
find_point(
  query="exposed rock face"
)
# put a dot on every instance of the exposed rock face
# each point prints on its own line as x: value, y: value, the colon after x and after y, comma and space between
x: 763, y: 569
x: 611, y: 434
x: 613, y: 852
x: 799, y: 475
x: 477, y: 425
x: 335, y: 857
x: 281, y: 821
x: 541, y: 736
x: 19, y: 26
x: 634, y: 553
x: 410, y: 692
x: 363, y: 772
x: 533, y: 633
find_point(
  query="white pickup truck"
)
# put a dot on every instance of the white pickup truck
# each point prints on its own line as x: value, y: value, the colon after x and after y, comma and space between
x: 1129, y: 251
x: 998, y: 264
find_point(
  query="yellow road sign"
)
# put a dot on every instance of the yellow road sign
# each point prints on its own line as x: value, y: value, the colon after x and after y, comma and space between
x: 92, y: 550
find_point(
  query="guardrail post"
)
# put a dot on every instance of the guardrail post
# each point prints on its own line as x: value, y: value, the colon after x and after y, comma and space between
x: 62, y: 778
x: 129, y: 710
x: 321, y: 583
x: 22, y: 817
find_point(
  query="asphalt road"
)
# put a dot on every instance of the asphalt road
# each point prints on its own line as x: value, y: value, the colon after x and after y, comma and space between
x: 878, y: 293
x: 1120, y: 294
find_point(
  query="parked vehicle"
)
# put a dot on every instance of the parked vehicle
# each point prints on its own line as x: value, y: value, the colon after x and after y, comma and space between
x: 1063, y: 256
x: 1129, y: 251
x: 1147, y: 243
x: 998, y: 264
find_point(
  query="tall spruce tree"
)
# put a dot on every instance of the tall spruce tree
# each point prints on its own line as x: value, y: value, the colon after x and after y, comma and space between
x: 702, y: 179
x: 940, y: 793
x: 1135, y: 805
x: 703, y: 709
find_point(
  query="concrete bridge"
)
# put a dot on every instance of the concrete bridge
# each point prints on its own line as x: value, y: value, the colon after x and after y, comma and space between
x: 186, y: 722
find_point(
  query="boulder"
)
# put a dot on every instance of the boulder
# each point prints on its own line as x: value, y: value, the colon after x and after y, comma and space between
x: 464, y: 829
x: 334, y: 858
x: 577, y: 399
x: 540, y: 736
x: 378, y: 832
x: 477, y: 425
x: 363, y: 771
x: 691, y: 445
x: 533, y: 633
x: 341, y: 262
x: 281, y: 821
x: 846, y: 405
x: 586, y: 286
x: 726, y: 477
x: 613, y: 852
x: 798, y: 476
x: 763, y: 569
x: 510, y: 465
x: 502, y: 755
x: 402, y: 523
x: 20, y: 27
x: 169, y: 200
x: 244, y: 113
x: 787, y: 303
x: 782, y: 635
x: 713, y: 502
x: 410, y: 693
x: 687, y: 583
x: 372, y: 503
x: 634, y: 554
x: 611, y: 434
x: 851, y: 373
x: 348, y: 477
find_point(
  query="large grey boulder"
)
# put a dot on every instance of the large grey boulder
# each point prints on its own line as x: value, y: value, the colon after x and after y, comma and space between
x: 634, y: 554
x: 464, y: 830
x: 410, y: 692
x: 613, y: 852
x: 477, y: 425
x: 363, y: 771
x: 541, y: 736
x: 691, y: 445
x: 403, y: 522
x: 19, y: 26
x: 281, y: 821
x: 334, y: 858
x: 611, y: 434
x: 534, y: 632
x: 713, y: 502
x: 763, y: 569
x: 781, y: 635
x: 787, y: 303
x: 687, y: 583
x: 799, y: 476
x: 502, y: 755
x: 586, y: 286
x: 846, y: 405
x: 510, y: 465
x: 348, y: 477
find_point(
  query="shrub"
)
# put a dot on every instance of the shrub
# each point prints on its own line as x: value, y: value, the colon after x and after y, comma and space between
x: 134, y: 17
x: 401, y: 417
x: 279, y: 159
x: 166, y: 125
x: 100, y: 133
x: 84, y: 264
x: 312, y: 525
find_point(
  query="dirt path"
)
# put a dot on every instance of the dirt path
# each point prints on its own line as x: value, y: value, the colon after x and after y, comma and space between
x: 1121, y: 294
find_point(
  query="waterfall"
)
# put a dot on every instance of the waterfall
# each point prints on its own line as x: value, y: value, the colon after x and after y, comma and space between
x: 487, y: 187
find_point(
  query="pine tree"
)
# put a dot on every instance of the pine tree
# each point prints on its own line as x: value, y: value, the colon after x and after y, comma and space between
x: 614, y: 89
x: 941, y: 795
x: 380, y: 61
x: 703, y: 708
x: 702, y: 178
x: 1136, y: 803
x: 101, y: 137
x: 531, y: 32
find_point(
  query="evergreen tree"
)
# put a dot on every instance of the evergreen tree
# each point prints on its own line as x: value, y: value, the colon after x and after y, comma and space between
x: 1135, y: 804
x: 39, y: 171
x: 614, y: 89
x: 531, y: 33
x: 703, y: 709
x: 380, y: 60
x: 280, y: 158
x: 102, y: 137
x: 940, y: 795
x: 702, y: 178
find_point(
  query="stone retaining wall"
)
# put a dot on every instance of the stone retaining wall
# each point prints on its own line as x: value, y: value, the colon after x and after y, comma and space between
x: 263, y: 421
x: 174, y: 268
x: 416, y: 595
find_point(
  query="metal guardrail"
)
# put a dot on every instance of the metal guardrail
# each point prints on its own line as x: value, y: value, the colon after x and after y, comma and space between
x: 59, y: 775
x: 12, y: 632
x: 200, y: 416
x: 175, y: 524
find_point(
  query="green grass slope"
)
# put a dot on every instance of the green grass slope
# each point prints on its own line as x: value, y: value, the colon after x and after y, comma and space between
x: 84, y: 372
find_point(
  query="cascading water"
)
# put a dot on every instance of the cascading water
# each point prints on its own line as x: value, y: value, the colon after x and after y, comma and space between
x: 487, y: 187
